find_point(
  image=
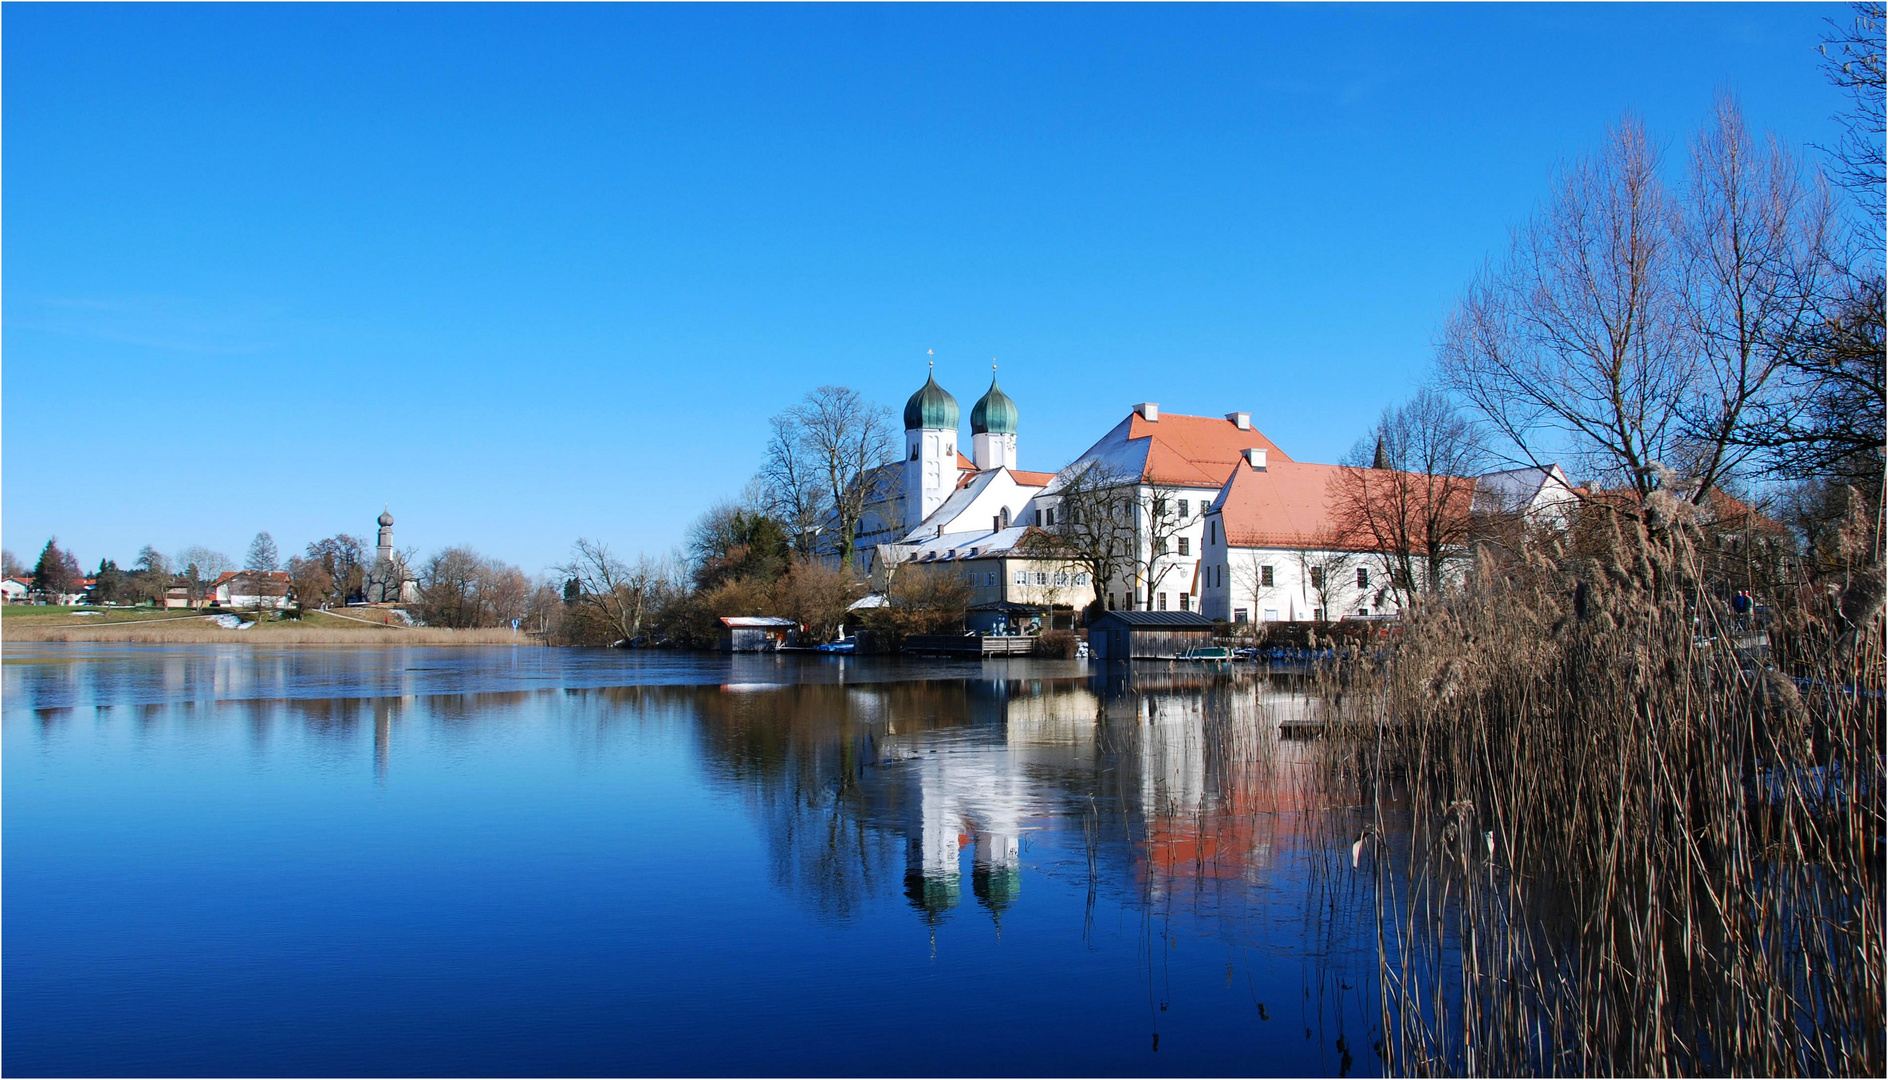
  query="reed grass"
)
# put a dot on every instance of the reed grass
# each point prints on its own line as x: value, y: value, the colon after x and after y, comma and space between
x: 1601, y: 841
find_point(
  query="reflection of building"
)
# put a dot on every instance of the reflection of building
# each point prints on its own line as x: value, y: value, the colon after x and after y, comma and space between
x: 1175, y: 782
x: 969, y: 792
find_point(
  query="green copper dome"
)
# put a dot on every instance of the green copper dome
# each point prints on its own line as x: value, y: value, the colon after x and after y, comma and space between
x: 931, y: 409
x: 995, y: 413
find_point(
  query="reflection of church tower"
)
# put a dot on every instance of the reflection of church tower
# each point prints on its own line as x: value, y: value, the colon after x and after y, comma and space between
x: 996, y: 876
x: 930, y: 451
x: 933, y: 882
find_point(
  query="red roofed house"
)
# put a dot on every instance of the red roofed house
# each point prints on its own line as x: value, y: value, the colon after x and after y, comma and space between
x: 252, y: 589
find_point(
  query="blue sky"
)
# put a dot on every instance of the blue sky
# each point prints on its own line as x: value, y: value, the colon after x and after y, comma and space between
x: 529, y: 273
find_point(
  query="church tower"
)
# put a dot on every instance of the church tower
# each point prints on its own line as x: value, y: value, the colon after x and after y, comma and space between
x: 930, y: 451
x: 993, y: 429
x: 383, y: 551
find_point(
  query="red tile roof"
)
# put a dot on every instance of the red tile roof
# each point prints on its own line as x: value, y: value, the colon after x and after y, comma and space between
x: 1195, y: 451
x: 1032, y: 479
x: 1291, y: 504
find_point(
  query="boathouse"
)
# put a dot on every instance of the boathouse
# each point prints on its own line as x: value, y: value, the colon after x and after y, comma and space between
x: 755, y: 633
x: 1147, y: 635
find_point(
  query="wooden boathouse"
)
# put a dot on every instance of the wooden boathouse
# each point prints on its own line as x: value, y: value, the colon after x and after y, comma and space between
x: 1147, y: 635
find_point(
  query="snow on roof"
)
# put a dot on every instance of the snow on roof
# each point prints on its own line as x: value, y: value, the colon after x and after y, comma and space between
x: 740, y: 621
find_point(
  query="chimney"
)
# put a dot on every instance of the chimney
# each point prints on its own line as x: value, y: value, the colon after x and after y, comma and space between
x: 1240, y: 420
x: 1256, y: 457
x: 1149, y: 410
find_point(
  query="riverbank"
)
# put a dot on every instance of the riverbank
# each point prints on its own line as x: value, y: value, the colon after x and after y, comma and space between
x: 18, y: 624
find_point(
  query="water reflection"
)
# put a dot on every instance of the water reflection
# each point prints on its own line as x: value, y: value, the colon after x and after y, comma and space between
x: 1162, y: 816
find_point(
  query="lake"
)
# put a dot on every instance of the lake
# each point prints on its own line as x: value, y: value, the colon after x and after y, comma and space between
x: 524, y: 861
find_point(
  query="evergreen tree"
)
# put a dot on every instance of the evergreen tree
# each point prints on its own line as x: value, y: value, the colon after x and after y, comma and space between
x: 57, y: 571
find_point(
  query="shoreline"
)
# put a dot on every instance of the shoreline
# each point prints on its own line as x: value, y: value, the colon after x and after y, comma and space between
x: 313, y: 629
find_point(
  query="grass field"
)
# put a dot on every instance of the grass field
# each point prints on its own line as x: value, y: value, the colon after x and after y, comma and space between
x: 155, y: 627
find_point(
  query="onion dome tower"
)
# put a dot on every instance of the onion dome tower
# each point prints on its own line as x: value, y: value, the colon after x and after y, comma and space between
x: 930, y: 450
x: 383, y: 548
x: 993, y: 429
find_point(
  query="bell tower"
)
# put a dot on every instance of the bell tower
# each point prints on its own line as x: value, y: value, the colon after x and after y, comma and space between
x: 930, y: 470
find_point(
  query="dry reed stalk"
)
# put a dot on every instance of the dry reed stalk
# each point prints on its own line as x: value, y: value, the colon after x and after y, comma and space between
x: 1628, y: 850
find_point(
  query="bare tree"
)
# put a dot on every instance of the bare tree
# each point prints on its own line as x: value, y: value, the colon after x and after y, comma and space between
x: 1110, y: 524
x: 1253, y: 577
x: 10, y: 565
x: 1326, y: 568
x: 1406, y: 490
x: 1092, y: 527
x: 460, y: 588
x: 201, y: 567
x: 1751, y: 235
x: 824, y: 466
x: 817, y: 596
x: 1853, y: 60
x: 790, y: 484
x: 1576, y: 335
x: 343, y: 561
x: 1628, y: 329
x: 622, y: 594
x: 311, y: 580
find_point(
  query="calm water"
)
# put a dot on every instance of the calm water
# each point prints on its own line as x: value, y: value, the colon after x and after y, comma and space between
x: 533, y: 861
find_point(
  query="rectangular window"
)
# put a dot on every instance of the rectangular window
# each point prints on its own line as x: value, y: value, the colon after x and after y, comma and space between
x: 1081, y: 579
x: 1042, y: 577
x: 1363, y: 577
x: 1265, y: 577
x: 1163, y: 601
x: 1160, y: 507
x: 1238, y: 614
x: 1183, y: 508
x: 1184, y: 541
x: 1212, y: 532
x: 1048, y: 518
x: 1271, y: 614
x: 1022, y: 577
x: 1185, y: 600
x: 1317, y: 577
x: 1160, y: 546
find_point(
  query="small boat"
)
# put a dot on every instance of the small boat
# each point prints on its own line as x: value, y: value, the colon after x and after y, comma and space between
x: 837, y: 647
x: 1207, y: 652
